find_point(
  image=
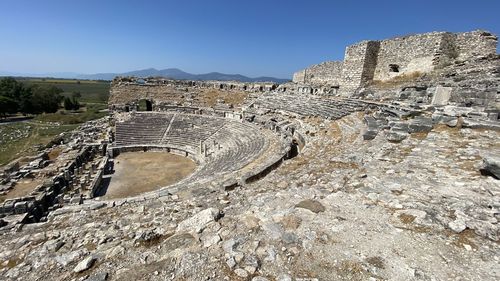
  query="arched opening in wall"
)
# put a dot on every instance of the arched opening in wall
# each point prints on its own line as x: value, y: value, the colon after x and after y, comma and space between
x: 145, y: 105
x: 393, y: 68
x: 127, y: 109
x: 221, y: 86
x: 261, y: 88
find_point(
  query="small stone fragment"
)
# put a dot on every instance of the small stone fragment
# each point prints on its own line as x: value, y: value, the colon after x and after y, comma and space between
x: 84, y: 264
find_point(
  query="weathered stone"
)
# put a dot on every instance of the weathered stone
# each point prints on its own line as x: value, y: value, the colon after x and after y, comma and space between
x: 70, y: 257
x: 457, y: 225
x: 199, y: 221
x: 210, y: 240
x: 101, y: 276
x: 396, y: 136
x: 420, y: 124
x: 84, y: 264
x: 241, y: 273
x: 311, y: 205
x: 491, y: 165
x: 289, y: 238
x: 441, y: 96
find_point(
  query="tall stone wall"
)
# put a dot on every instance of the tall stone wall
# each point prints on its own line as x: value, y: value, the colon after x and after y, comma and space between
x: 325, y: 73
x: 384, y: 60
x: 403, y: 55
x: 475, y: 43
x: 359, y: 62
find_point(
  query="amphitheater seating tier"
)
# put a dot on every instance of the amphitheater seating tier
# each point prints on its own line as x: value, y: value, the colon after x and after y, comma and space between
x: 309, y: 105
x: 230, y: 144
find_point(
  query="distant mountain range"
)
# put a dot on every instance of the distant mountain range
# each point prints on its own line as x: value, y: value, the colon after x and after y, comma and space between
x: 172, y: 73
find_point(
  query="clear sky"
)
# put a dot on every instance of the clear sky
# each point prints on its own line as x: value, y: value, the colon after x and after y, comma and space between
x: 253, y: 37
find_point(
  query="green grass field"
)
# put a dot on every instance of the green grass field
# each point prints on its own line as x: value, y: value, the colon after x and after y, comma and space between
x: 92, y: 91
x: 89, y: 112
x: 25, y: 138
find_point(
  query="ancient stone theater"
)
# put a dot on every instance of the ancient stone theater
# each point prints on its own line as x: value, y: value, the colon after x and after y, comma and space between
x: 383, y: 166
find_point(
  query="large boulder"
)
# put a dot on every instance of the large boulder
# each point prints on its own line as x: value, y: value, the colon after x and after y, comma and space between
x: 372, y: 128
x: 491, y: 165
x: 420, y: 124
x: 198, y: 222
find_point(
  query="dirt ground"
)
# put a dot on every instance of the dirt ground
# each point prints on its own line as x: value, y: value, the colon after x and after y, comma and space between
x: 22, y: 188
x: 139, y: 172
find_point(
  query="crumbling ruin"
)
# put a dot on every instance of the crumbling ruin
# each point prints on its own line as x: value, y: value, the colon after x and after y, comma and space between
x: 369, y: 61
x: 383, y: 166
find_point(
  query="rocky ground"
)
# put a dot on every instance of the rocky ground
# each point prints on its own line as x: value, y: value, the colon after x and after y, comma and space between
x: 344, y: 209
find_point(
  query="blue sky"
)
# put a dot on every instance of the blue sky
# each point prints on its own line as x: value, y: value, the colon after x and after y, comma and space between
x: 254, y: 38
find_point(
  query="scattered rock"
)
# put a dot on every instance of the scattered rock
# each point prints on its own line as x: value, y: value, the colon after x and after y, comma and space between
x: 84, y: 264
x: 259, y: 278
x: 210, y: 240
x: 311, y: 205
x: 241, y: 273
x: 491, y: 165
x: 457, y: 225
x: 199, y: 221
x: 102, y: 276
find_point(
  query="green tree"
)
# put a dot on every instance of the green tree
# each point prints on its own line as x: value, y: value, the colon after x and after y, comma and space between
x: 76, y: 95
x: 7, y: 106
x: 45, y: 98
x: 68, y: 103
x: 25, y: 102
x: 11, y: 88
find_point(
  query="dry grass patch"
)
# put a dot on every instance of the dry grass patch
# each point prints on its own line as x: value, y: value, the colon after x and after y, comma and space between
x: 397, y: 80
x: 234, y: 98
x: 465, y: 238
x: 406, y: 219
x: 351, y: 270
x: 54, y: 153
x: 376, y: 261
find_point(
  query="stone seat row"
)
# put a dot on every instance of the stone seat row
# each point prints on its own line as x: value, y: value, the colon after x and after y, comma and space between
x: 230, y: 144
x: 309, y: 105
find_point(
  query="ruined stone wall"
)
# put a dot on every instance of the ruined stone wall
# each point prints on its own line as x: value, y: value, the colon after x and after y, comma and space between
x: 299, y: 76
x: 404, y: 55
x: 475, y: 43
x: 126, y: 92
x: 129, y: 93
x: 447, y: 52
x: 326, y: 73
x: 384, y: 60
x: 358, y: 67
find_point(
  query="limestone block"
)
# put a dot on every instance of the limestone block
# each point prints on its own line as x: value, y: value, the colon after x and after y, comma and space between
x: 441, y: 96
x: 491, y: 164
x: 199, y: 221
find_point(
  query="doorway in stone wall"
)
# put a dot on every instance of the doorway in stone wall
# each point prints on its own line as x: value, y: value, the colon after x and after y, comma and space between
x: 145, y: 105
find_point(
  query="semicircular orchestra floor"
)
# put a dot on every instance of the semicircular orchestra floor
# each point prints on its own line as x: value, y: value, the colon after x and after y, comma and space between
x: 140, y: 172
